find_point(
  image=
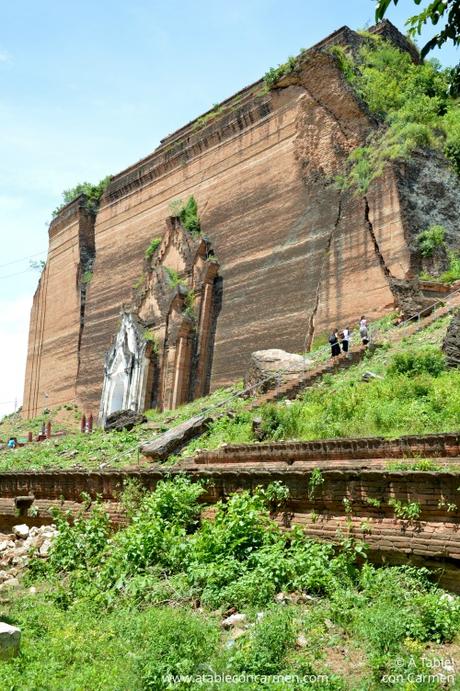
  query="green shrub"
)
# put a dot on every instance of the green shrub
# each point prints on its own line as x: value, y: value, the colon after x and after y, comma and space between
x: 430, y: 239
x: 410, y: 510
x: 411, y: 99
x: 87, y: 277
x: 173, y: 276
x: 77, y: 545
x: 412, y: 363
x: 152, y: 248
x: 274, y: 74
x: 93, y: 194
x: 453, y: 272
x: 188, y: 214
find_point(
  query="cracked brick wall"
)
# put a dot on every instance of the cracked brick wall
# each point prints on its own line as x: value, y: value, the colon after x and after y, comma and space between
x: 297, y: 256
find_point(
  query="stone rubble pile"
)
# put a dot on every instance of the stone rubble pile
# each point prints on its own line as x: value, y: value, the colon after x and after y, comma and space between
x: 17, y: 547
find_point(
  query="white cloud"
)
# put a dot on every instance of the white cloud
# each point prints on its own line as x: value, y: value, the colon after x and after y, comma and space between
x: 5, y: 56
x: 14, y: 331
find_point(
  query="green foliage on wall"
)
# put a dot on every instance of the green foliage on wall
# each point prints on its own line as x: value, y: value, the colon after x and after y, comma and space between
x: 87, y: 277
x: 208, y: 117
x: 413, y: 101
x: 93, y: 194
x: 173, y: 277
x: 188, y: 214
x: 151, y: 249
x: 274, y: 74
x: 430, y: 239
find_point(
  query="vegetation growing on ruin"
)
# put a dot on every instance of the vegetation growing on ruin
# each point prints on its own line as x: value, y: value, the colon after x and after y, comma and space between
x: 415, y: 395
x: 452, y: 273
x: 125, y: 610
x: 431, y: 239
x: 447, y: 11
x: 93, y: 194
x: 414, y: 101
x: 187, y: 212
x: 205, y: 119
x: 274, y: 74
x: 114, y: 449
x: 152, y: 248
x: 87, y: 277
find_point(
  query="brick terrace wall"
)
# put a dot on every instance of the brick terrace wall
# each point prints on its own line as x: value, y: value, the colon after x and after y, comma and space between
x: 410, y: 446
x: 323, y: 514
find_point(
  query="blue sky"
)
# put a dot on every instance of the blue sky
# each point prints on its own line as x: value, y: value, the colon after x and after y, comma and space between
x: 88, y: 88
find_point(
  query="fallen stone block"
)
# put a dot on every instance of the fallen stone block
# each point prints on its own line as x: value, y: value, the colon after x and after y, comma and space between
x: 272, y: 365
x: 21, y: 531
x: 123, y: 419
x: 174, y: 439
x: 233, y: 620
x: 10, y: 640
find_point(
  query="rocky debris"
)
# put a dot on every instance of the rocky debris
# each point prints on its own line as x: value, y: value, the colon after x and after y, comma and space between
x: 301, y: 641
x: 10, y: 640
x: 10, y: 583
x: 409, y: 298
x: 233, y: 620
x: 237, y: 633
x: 368, y: 376
x: 16, y: 548
x: 451, y: 344
x: 265, y: 363
x: 257, y: 429
x: 123, y: 419
x: 21, y: 531
x: 174, y: 439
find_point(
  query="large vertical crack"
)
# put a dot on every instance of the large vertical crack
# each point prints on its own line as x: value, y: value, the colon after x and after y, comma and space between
x: 87, y: 249
x: 311, y: 322
x: 406, y: 293
x: 377, y: 250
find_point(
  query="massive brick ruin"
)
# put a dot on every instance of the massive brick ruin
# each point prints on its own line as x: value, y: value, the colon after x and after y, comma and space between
x: 291, y: 254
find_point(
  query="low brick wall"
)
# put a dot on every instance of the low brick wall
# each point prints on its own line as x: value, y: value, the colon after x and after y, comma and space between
x: 410, y: 446
x: 348, y: 498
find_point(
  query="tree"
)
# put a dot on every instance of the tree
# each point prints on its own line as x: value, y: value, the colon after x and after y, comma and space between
x: 434, y: 12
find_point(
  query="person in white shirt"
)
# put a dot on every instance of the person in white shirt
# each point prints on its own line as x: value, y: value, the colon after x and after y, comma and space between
x: 363, y: 330
x: 345, y: 339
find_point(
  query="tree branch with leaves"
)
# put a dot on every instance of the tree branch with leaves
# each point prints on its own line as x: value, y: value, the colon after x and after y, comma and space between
x: 434, y: 12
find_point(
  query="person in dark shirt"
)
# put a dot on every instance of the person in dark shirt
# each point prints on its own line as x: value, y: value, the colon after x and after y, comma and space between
x: 335, y: 345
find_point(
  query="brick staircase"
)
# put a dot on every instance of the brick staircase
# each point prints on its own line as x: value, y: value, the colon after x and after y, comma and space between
x: 293, y: 386
x: 290, y: 388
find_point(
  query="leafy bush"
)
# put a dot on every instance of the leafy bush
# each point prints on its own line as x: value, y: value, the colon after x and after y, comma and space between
x: 173, y: 276
x: 453, y: 272
x: 87, y: 277
x: 151, y: 249
x: 411, y: 99
x: 78, y: 544
x: 93, y: 194
x: 412, y: 363
x: 188, y: 214
x: 430, y: 239
x: 274, y: 74
x: 410, y: 511
x: 105, y: 625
